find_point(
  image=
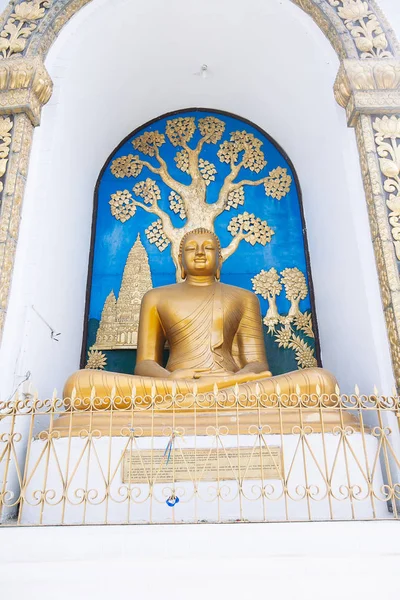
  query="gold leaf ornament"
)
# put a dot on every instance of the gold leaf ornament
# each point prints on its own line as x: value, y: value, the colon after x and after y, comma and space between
x: 235, y: 198
x: 278, y: 183
x: 182, y: 161
x: 283, y: 337
x: 211, y: 129
x: 96, y: 360
x: 126, y: 166
x: 149, y: 142
x: 180, y: 130
x: 267, y: 283
x: 148, y: 190
x: 122, y: 205
x: 252, y: 228
x: 207, y: 170
x: 246, y: 143
x: 176, y: 205
x: 155, y: 234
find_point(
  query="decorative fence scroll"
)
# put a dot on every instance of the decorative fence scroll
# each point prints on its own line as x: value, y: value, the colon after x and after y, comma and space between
x: 199, y: 458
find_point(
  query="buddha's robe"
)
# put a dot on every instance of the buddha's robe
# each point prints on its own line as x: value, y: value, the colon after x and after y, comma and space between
x: 215, y: 333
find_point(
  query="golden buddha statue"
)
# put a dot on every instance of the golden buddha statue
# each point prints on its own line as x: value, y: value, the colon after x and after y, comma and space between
x: 214, y: 333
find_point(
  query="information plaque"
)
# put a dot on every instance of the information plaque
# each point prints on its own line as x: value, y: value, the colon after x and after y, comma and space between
x: 205, y: 464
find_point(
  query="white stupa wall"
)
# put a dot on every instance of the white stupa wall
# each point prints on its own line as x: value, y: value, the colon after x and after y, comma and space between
x: 118, y: 64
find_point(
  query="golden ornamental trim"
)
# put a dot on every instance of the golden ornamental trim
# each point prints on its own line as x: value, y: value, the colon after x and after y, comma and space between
x: 25, y: 86
x: 368, y: 87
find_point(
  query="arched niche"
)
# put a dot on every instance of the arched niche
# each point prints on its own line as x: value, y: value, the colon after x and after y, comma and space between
x: 98, y: 65
x: 243, y: 187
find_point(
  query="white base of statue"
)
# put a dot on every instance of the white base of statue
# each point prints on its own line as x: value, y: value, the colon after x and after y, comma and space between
x: 68, y: 480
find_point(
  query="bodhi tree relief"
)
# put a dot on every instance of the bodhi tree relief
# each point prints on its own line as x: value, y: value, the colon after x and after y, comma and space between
x: 243, y: 154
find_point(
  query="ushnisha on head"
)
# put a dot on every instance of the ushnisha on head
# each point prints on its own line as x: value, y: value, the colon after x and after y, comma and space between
x: 200, y: 254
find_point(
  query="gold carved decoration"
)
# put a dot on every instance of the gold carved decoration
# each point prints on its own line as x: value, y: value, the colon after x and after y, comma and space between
x: 362, y: 22
x: 387, y: 137
x: 119, y: 322
x: 5, y: 141
x: 96, y: 360
x: 286, y: 328
x: 242, y: 151
x: 363, y: 86
x: 20, y: 25
x: 25, y: 86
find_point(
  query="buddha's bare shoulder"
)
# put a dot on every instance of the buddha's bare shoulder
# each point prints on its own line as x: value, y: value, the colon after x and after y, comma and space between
x: 162, y: 293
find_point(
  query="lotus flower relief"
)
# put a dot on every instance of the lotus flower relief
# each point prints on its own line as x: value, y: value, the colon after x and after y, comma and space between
x: 29, y: 11
x: 387, y: 127
x: 353, y: 9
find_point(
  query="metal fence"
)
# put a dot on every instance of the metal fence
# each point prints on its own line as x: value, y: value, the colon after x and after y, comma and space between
x: 199, y: 458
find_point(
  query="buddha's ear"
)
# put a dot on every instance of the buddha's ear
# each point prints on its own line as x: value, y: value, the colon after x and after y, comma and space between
x: 183, y: 272
x: 218, y: 271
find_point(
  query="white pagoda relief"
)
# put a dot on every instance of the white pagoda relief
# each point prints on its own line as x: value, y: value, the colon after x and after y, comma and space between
x: 119, y: 322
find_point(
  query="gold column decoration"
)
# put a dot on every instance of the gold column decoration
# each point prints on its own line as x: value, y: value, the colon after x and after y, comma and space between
x: 367, y: 87
x: 15, y: 165
x: 25, y: 86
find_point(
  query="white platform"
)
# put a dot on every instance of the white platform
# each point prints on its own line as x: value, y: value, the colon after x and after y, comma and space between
x: 346, y: 466
x: 302, y: 561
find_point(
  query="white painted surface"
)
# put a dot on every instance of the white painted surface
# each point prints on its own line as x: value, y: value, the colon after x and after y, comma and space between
x: 118, y: 64
x: 325, y: 458
x: 285, y: 561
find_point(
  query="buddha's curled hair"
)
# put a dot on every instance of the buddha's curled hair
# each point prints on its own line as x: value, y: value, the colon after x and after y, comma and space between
x: 200, y: 230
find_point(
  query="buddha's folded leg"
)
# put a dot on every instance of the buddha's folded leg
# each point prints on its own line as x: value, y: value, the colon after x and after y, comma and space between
x: 103, y: 384
x: 306, y: 381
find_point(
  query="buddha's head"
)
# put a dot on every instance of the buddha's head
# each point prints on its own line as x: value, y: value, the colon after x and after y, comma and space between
x: 200, y: 254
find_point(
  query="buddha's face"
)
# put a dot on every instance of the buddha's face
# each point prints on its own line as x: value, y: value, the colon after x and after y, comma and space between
x: 200, y: 254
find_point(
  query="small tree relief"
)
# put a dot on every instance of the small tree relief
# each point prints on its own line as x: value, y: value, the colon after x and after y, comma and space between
x: 241, y: 151
x: 288, y: 330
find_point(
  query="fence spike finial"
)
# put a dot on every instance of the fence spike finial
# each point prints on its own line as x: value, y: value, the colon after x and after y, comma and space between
x: 376, y: 392
x: 337, y: 390
x: 357, y: 390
